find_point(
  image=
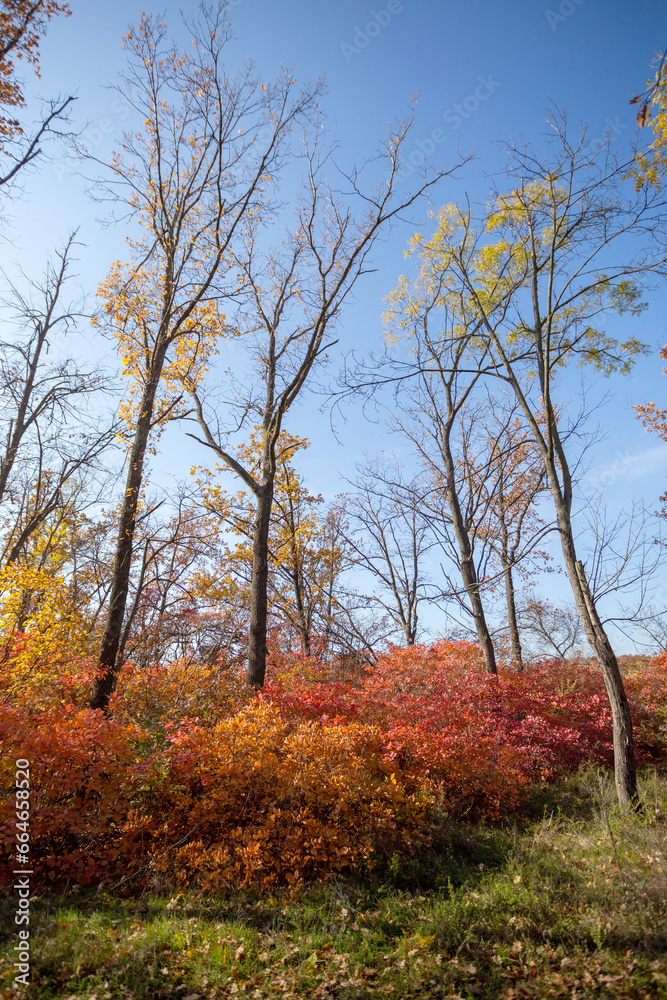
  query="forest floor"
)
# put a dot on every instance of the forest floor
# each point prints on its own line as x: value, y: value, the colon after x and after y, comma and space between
x: 567, y: 900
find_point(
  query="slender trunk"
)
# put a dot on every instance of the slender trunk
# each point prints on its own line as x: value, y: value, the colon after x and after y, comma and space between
x: 109, y: 665
x: 120, y: 655
x: 305, y: 638
x: 468, y: 572
x: 17, y: 425
x: 625, y: 772
x: 303, y: 625
x: 258, y: 587
x: 517, y: 653
x: 625, y: 768
x: 483, y: 634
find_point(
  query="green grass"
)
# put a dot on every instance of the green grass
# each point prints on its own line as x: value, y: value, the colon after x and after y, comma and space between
x: 570, y: 900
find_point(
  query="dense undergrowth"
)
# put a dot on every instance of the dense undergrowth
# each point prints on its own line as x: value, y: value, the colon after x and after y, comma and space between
x: 195, y: 785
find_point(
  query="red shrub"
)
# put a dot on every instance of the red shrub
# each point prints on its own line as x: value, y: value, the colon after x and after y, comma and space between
x: 313, y: 777
x: 83, y: 776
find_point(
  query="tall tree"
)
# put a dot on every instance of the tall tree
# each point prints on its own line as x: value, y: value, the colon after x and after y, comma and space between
x: 292, y: 301
x: 500, y: 462
x: 192, y: 175
x: 437, y: 386
x: 566, y: 245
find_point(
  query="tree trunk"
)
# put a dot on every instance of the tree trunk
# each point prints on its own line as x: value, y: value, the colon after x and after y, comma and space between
x: 303, y: 623
x: 109, y: 666
x: 258, y: 587
x: 483, y: 634
x: 468, y: 573
x: 625, y: 772
x: 551, y: 446
x: 517, y: 653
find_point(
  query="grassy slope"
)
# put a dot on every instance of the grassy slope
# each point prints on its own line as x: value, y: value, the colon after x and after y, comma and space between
x: 570, y: 901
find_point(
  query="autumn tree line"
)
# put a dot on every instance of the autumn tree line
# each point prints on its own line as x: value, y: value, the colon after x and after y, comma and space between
x: 247, y: 239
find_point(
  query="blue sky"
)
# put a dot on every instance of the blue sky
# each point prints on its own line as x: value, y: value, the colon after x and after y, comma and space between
x: 484, y: 71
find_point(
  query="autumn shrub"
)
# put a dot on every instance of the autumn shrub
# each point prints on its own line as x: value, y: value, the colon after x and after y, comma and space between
x: 254, y: 801
x: 61, y: 679
x: 482, y: 738
x: 646, y: 685
x: 265, y: 801
x: 84, y: 773
x: 194, y: 782
x: 163, y: 693
x: 555, y: 715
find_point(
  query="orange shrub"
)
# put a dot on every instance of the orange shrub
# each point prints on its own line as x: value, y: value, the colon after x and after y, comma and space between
x: 168, y: 692
x: 254, y: 801
x: 266, y: 802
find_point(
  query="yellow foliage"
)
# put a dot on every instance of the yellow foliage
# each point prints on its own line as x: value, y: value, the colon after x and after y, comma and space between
x: 304, y: 553
x: 136, y: 313
x: 472, y: 279
x: 651, y: 165
x: 44, y: 632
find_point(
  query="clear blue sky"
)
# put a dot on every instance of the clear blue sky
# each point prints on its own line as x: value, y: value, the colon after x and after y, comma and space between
x: 484, y: 70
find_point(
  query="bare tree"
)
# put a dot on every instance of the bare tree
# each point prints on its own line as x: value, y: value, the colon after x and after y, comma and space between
x: 499, y: 460
x: 436, y: 388
x: 291, y: 304
x: 51, y: 439
x: 651, y: 625
x: 559, y: 629
x: 169, y: 586
x: 566, y: 245
x: 192, y: 175
x: 390, y: 537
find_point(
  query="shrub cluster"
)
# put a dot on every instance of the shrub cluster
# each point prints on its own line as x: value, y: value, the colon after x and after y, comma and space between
x: 192, y: 782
